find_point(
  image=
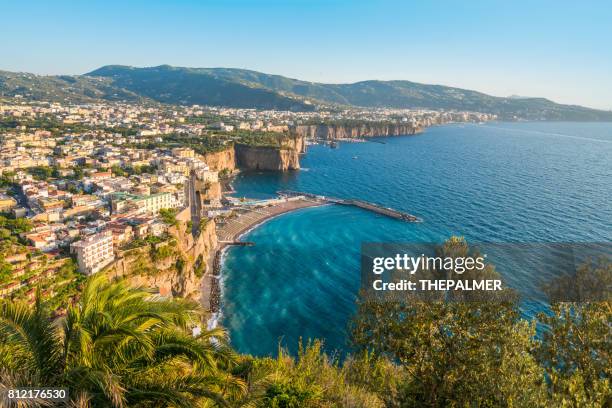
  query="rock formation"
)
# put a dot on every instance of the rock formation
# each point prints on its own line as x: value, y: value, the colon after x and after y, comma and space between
x: 247, y: 157
x: 330, y: 131
x: 267, y: 158
x: 180, y: 272
x: 222, y: 160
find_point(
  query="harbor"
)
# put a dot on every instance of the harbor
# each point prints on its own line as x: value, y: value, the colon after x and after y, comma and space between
x: 232, y: 228
x: 245, y: 218
x: 252, y: 213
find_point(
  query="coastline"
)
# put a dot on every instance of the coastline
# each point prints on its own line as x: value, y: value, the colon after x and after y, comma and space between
x: 233, y: 231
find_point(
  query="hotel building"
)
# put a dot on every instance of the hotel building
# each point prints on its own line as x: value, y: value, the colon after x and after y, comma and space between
x: 94, y: 252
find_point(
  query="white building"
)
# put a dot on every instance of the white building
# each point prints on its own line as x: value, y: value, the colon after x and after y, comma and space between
x: 155, y: 202
x: 207, y: 176
x: 94, y: 252
x: 150, y: 204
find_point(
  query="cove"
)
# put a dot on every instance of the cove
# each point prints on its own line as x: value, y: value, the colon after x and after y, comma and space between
x: 498, y: 182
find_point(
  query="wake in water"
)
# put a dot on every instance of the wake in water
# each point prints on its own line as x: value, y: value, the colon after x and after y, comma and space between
x: 539, y: 132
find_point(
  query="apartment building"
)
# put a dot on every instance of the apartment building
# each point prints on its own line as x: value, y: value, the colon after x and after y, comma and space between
x: 151, y: 204
x: 155, y: 202
x: 94, y: 252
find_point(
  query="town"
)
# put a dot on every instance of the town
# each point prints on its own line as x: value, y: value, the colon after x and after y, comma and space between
x: 82, y: 184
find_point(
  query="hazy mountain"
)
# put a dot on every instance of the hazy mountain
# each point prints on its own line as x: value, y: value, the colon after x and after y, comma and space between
x: 62, y: 88
x: 244, y: 88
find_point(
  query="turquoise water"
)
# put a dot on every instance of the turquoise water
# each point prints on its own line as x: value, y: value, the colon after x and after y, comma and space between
x: 499, y: 182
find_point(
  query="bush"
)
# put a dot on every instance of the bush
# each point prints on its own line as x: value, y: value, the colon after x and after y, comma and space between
x: 168, y: 216
x: 289, y: 396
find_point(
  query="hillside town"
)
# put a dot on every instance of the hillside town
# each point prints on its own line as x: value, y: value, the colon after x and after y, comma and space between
x: 81, y: 183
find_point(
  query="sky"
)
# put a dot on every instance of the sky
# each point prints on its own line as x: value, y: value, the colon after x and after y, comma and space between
x: 560, y: 50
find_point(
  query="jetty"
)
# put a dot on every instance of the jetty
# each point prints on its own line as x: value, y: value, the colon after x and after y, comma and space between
x: 368, y: 206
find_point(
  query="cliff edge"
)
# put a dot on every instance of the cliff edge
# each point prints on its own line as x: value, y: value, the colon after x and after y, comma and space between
x: 333, y: 131
x: 175, y: 266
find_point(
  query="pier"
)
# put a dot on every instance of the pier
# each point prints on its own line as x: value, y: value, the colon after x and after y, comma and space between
x: 375, y: 208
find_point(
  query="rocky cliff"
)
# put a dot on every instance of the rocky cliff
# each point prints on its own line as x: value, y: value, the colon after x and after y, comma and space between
x: 295, y: 142
x: 222, y: 160
x: 330, y: 131
x: 175, y: 267
x: 174, y: 271
x: 247, y: 157
x: 267, y: 158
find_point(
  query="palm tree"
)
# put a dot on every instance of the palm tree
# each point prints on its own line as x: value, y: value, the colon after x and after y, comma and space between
x: 118, y: 346
x: 29, y: 348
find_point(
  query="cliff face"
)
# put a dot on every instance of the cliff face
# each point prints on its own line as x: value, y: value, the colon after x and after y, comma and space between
x: 258, y: 157
x: 183, y: 261
x: 179, y: 273
x: 295, y: 142
x: 267, y: 158
x: 225, y: 159
x: 358, y: 131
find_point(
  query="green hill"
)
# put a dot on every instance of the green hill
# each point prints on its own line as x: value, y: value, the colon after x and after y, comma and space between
x: 196, y: 86
x: 78, y: 89
x: 242, y: 88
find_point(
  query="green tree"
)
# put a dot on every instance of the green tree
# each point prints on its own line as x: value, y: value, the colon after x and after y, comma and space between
x: 118, y: 171
x: 168, y: 215
x: 15, y: 226
x: 77, y: 173
x: 468, y: 353
x: 311, y: 379
x: 41, y: 172
x: 117, y: 347
x: 575, y: 345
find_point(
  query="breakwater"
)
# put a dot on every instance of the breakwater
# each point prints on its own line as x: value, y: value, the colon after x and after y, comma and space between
x: 372, y: 207
x: 215, y: 288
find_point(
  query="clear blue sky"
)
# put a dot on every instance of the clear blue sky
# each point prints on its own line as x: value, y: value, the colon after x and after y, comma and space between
x: 561, y: 50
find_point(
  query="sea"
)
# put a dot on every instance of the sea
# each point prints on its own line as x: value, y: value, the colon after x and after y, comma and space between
x: 519, y: 182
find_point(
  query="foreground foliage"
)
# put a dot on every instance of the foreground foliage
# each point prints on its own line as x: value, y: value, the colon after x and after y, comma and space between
x: 117, y: 347
x: 121, y: 347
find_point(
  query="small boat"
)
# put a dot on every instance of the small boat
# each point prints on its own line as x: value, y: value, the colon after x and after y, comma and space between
x: 355, y: 157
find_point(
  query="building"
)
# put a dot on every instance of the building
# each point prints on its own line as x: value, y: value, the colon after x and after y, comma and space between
x: 94, y: 252
x: 84, y: 200
x: 101, y: 175
x: 7, y: 202
x: 45, y: 240
x: 207, y: 175
x: 155, y: 202
x: 183, y: 152
x: 151, y: 204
